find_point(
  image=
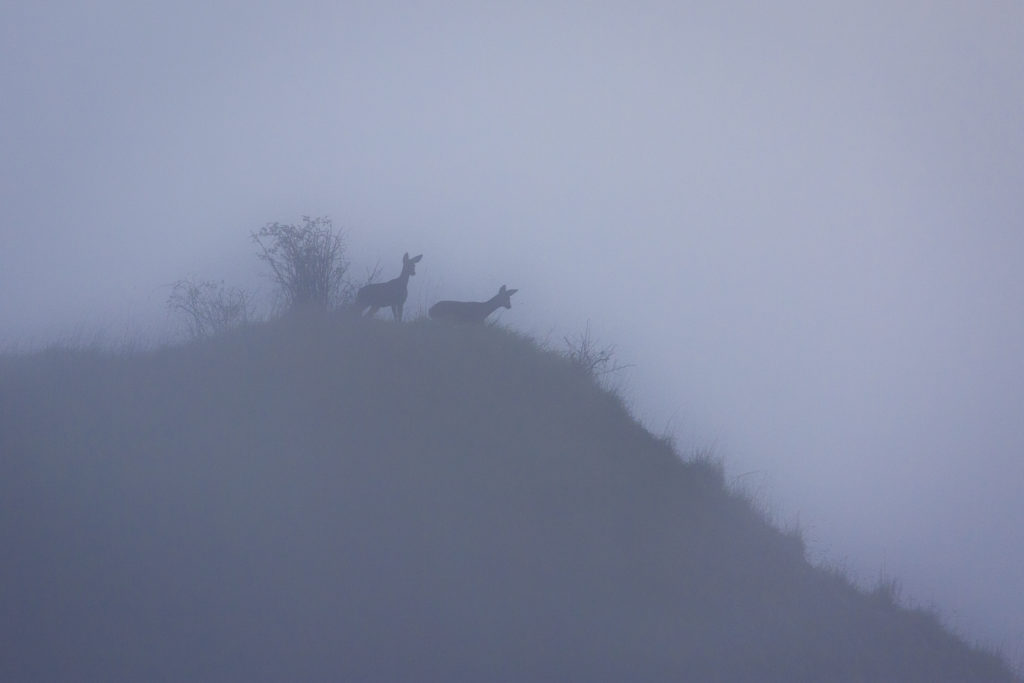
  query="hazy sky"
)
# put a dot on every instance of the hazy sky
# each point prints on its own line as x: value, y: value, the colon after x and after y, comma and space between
x: 801, y: 222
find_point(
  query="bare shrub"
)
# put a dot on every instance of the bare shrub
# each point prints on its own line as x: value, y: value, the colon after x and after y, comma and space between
x: 307, y: 261
x: 584, y: 352
x: 209, y: 307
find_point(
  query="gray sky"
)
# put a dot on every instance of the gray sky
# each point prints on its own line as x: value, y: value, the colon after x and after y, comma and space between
x: 802, y: 222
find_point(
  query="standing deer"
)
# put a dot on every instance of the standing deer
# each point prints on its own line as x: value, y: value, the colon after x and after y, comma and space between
x: 392, y: 293
x: 471, y: 311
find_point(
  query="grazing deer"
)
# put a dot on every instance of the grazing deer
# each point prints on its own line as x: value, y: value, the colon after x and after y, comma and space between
x: 392, y: 293
x: 471, y: 311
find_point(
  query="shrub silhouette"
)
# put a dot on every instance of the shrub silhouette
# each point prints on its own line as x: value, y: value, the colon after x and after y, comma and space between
x: 307, y: 262
x: 209, y: 307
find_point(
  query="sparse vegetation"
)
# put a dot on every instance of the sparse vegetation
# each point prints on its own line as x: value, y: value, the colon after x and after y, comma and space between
x: 596, y: 360
x: 888, y: 590
x: 209, y: 307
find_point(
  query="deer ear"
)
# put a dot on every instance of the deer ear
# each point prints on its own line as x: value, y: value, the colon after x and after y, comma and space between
x: 416, y: 259
x: 502, y: 290
x: 405, y: 257
x: 511, y: 291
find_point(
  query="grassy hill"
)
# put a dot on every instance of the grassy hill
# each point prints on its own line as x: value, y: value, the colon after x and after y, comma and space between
x: 323, y: 499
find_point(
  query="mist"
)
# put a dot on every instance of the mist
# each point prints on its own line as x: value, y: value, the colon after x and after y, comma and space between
x: 800, y: 224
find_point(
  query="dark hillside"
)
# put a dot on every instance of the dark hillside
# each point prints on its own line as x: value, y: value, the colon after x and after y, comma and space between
x: 334, y: 500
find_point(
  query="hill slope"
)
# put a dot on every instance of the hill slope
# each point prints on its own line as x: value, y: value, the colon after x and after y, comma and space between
x: 329, y: 500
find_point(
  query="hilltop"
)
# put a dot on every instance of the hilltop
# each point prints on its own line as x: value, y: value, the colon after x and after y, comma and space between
x: 325, y: 499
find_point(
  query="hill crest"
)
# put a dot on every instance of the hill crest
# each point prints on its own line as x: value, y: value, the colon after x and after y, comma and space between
x: 326, y: 499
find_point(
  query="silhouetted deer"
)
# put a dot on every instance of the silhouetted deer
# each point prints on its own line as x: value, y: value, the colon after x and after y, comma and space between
x: 392, y: 293
x: 471, y: 311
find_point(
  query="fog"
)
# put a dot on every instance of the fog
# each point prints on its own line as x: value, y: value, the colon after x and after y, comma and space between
x: 801, y: 224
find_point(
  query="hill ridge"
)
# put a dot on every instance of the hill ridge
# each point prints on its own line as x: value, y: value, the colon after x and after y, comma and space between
x: 319, y: 498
